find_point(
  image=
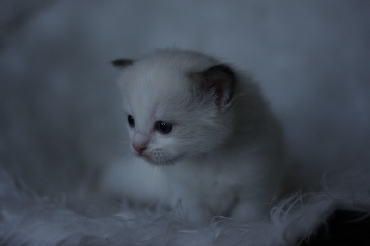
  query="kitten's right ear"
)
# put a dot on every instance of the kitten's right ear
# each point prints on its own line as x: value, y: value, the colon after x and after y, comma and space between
x: 122, y: 63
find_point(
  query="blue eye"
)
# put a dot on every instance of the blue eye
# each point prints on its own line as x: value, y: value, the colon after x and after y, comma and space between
x: 163, y: 127
x: 131, y: 121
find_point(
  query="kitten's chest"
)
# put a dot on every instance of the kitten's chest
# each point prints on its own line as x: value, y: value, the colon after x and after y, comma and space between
x: 207, y: 177
x: 205, y: 184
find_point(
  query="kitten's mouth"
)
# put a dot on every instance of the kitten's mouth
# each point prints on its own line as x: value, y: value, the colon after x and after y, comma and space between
x: 158, y: 160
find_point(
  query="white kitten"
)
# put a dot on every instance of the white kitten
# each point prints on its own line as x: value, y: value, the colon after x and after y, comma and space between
x: 203, y: 137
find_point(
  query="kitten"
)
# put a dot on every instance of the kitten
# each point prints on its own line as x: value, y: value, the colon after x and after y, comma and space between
x: 203, y: 137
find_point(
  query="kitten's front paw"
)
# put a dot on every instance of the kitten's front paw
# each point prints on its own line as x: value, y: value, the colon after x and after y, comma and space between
x: 192, y: 212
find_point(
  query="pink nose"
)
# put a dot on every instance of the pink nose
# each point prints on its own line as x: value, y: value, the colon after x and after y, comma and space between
x: 139, y: 148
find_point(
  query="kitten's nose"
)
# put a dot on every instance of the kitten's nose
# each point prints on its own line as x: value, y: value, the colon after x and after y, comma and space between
x: 139, y: 148
x: 140, y: 142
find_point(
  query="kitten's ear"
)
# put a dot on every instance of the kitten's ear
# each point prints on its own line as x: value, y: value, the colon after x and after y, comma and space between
x: 122, y: 63
x: 220, y: 80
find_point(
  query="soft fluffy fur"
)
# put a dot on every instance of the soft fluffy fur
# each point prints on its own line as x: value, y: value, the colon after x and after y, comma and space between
x: 29, y: 220
x: 224, y: 153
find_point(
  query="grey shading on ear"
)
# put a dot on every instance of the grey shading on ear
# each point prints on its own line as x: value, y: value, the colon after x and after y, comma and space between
x: 220, y: 80
x: 122, y: 63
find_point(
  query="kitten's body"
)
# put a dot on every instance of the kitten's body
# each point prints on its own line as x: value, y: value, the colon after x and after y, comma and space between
x: 223, y: 153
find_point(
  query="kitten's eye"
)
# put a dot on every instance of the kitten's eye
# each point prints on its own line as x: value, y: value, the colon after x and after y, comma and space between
x: 131, y: 121
x: 164, y: 127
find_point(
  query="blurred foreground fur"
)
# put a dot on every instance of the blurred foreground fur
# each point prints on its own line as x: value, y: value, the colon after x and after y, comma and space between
x: 27, y: 219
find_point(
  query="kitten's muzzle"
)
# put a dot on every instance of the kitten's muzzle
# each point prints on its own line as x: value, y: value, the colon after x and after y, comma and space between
x: 140, y: 142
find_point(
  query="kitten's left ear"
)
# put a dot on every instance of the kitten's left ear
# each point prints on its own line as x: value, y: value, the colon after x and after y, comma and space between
x: 122, y: 63
x: 220, y: 80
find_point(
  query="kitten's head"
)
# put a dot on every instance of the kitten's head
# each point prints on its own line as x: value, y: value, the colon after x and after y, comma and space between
x: 178, y: 104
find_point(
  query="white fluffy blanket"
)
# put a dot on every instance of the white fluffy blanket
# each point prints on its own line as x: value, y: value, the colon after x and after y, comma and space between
x: 27, y: 219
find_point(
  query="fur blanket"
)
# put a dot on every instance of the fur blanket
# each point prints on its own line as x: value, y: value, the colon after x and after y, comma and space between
x: 27, y: 219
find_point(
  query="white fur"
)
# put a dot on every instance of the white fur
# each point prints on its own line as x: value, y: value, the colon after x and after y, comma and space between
x: 215, y: 159
x: 30, y: 220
